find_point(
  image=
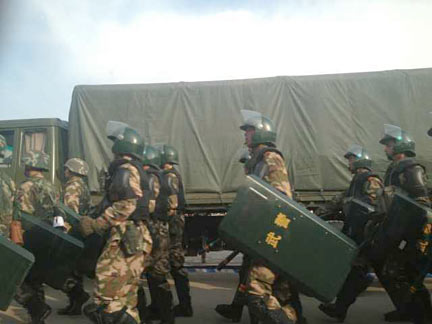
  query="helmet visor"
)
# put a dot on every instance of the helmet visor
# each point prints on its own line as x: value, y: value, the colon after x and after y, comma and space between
x: 250, y: 119
x: 114, y: 129
x: 355, y: 150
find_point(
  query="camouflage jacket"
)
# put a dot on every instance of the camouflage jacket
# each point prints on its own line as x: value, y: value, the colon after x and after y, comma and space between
x: 76, y: 195
x: 117, y: 215
x: 38, y: 197
x: 271, y: 169
x: 7, y: 192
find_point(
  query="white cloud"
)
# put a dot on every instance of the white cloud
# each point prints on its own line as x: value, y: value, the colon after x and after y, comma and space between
x: 128, y: 41
x: 163, y: 47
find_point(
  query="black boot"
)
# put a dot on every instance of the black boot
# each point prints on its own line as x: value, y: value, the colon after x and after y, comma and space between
x: 231, y: 312
x: 332, y: 311
x: 397, y: 316
x: 165, y: 306
x: 120, y: 317
x: 93, y: 313
x: 77, y: 297
x: 38, y: 310
x: 181, y: 281
x: 181, y: 310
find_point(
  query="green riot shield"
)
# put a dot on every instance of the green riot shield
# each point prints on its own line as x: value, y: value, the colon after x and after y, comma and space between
x: 93, y: 244
x: 357, y: 214
x: 71, y: 217
x: 56, y: 252
x: 404, y: 224
x: 15, y: 262
x: 266, y: 224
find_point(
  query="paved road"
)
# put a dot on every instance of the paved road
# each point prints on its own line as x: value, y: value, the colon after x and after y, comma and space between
x: 209, y: 289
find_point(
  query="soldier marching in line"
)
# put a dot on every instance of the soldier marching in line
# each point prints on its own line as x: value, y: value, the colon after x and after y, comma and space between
x: 76, y: 195
x: 403, y: 271
x: 234, y: 311
x: 271, y: 297
x: 38, y: 197
x: 7, y: 192
x: 176, y: 205
x: 363, y: 189
x: 159, y: 264
x: 129, y: 243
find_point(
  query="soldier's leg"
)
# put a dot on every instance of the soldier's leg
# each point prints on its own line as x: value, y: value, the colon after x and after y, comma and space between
x: 234, y: 310
x: 289, y: 299
x: 397, y: 276
x: 356, y: 282
x: 181, y: 280
x: 117, y: 281
x: 262, y: 303
x: 74, y: 289
x: 32, y: 297
x: 143, y: 309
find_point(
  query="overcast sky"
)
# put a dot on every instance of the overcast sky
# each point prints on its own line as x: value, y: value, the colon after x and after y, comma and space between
x: 49, y: 46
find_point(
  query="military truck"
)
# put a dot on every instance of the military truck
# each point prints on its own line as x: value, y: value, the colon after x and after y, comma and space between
x: 317, y: 118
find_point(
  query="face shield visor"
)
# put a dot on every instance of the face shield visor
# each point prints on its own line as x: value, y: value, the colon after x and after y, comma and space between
x: 115, y: 129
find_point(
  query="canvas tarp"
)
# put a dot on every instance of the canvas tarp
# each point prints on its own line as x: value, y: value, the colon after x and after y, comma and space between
x: 317, y: 118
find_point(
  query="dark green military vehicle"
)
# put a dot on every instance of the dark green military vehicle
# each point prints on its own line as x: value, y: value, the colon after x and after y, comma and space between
x: 317, y: 118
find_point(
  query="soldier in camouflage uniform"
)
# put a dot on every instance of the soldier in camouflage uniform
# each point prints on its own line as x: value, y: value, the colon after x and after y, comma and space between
x: 7, y: 191
x: 159, y: 265
x: 271, y: 297
x: 176, y: 205
x: 119, y: 268
x: 234, y: 311
x: 38, y: 197
x: 364, y: 187
x: 76, y: 195
x: 402, y: 272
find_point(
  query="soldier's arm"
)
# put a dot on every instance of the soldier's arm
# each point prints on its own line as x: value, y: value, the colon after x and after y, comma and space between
x: 277, y: 174
x: 173, y: 182
x: 72, y: 194
x: 120, y: 210
x: 371, y: 187
x: 24, y: 200
x: 414, y: 183
x: 155, y: 187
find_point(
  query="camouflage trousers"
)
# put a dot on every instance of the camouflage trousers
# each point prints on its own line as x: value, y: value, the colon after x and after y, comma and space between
x: 177, y: 259
x: 159, y: 261
x: 157, y: 272
x: 118, y: 276
x: 274, y: 292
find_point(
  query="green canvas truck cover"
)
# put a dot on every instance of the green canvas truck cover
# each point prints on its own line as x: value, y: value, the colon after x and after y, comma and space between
x: 317, y: 118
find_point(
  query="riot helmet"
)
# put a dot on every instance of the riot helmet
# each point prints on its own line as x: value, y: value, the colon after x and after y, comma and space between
x: 361, y: 156
x: 36, y: 160
x: 77, y: 166
x: 265, y: 131
x: 3, y: 145
x: 168, y: 154
x: 404, y: 143
x: 126, y: 139
x: 151, y: 156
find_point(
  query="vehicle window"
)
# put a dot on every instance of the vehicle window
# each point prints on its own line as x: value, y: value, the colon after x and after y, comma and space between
x: 35, y: 140
x: 7, y: 158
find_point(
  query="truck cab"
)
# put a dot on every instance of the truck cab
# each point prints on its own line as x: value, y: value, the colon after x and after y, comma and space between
x: 43, y: 134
